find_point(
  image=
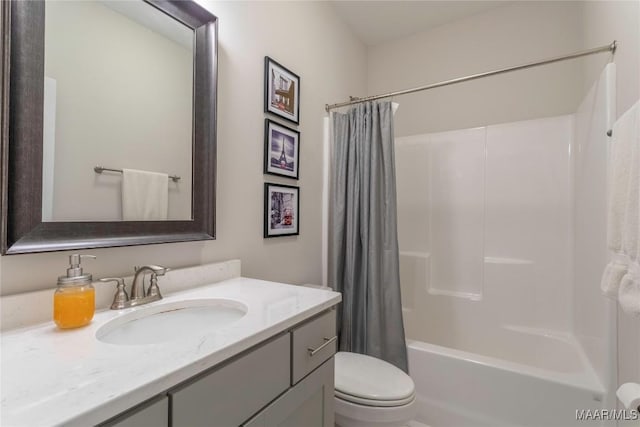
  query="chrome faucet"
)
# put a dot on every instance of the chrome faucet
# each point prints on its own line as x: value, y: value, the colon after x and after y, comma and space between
x: 139, y: 295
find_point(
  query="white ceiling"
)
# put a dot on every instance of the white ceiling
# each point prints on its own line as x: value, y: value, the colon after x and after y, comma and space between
x: 376, y: 22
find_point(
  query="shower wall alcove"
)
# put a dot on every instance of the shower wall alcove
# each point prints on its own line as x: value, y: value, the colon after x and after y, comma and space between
x: 502, y: 244
x: 484, y: 215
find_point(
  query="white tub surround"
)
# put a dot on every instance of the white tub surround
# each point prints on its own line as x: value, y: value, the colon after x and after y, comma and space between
x: 54, y: 377
x: 526, y: 338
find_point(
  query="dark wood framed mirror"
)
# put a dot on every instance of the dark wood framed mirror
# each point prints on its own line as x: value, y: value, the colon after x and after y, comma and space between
x: 23, y: 228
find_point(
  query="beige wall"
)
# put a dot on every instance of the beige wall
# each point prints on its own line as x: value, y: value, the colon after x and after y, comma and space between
x: 509, y: 35
x: 603, y: 22
x: 124, y: 96
x: 306, y: 37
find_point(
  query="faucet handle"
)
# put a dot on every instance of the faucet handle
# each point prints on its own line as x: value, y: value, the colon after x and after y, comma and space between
x: 158, y: 270
x: 121, y: 298
x: 154, y: 290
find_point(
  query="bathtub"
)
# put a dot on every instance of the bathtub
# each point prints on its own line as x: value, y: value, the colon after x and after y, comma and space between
x: 458, y: 388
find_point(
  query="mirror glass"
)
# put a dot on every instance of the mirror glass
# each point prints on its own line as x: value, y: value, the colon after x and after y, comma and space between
x: 118, y: 94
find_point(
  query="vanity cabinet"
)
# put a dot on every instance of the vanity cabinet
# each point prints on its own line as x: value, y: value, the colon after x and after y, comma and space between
x: 286, y: 381
x: 309, y: 402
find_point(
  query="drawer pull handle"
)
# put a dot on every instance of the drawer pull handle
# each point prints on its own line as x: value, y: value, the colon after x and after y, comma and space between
x: 327, y: 341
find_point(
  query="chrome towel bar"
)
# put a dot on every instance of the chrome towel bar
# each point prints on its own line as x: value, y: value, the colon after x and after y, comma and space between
x: 100, y: 169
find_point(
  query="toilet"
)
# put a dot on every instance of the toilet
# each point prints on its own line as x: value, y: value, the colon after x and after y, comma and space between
x: 370, y: 392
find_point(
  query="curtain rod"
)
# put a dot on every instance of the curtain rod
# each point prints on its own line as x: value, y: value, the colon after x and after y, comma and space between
x: 608, y: 48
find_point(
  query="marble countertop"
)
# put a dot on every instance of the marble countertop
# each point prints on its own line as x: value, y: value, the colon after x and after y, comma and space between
x: 54, y: 377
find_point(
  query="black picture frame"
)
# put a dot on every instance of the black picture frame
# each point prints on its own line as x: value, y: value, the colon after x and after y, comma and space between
x: 275, y: 217
x: 22, y: 228
x: 278, y: 101
x: 283, y: 161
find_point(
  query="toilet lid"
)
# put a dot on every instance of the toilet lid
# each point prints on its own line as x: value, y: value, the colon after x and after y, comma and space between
x: 368, y: 379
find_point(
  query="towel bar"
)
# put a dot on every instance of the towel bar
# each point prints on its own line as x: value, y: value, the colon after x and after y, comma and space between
x: 100, y: 169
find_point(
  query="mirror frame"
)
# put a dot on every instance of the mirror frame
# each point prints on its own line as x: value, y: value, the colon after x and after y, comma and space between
x: 22, y: 29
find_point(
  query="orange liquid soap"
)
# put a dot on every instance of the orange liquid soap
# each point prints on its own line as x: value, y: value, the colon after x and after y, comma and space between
x: 74, y: 307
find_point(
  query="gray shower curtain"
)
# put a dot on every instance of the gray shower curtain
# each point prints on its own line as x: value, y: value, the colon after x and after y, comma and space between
x: 363, y: 261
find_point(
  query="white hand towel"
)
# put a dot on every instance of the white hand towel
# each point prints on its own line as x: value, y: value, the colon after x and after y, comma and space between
x: 612, y: 277
x: 629, y: 128
x: 629, y: 294
x: 145, y: 195
x: 620, y: 277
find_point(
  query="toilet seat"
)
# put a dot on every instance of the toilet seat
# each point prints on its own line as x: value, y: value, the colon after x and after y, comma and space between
x: 368, y: 381
x: 371, y: 402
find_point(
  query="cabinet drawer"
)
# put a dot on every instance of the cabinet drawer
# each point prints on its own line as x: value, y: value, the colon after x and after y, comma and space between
x: 231, y: 394
x: 312, y: 343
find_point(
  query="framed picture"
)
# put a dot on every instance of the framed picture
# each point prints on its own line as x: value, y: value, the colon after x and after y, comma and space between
x: 281, y: 150
x: 281, y: 91
x: 281, y: 210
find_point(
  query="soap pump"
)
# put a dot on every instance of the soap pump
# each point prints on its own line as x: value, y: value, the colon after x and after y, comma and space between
x: 74, y: 301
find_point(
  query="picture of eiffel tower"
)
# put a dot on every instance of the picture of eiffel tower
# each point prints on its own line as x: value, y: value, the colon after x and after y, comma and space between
x: 282, y: 150
x: 283, y: 158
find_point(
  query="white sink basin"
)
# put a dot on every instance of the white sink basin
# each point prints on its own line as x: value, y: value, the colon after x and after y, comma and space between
x: 171, y: 321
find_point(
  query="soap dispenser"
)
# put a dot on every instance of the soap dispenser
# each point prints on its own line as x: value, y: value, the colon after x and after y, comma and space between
x: 74, y: 301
